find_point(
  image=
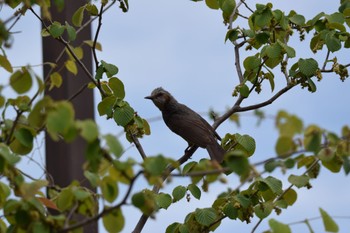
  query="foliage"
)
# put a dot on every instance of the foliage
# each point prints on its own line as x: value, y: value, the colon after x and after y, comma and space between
x: 267, y: 35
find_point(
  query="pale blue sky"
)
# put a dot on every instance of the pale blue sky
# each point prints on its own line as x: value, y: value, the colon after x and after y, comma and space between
x: 179, y: 45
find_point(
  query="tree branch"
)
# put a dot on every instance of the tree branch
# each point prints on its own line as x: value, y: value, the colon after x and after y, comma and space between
x: 138, y: 146
x: 265, y: 103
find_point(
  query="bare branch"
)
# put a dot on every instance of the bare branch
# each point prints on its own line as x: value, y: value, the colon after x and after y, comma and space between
x: 265, y: 103
x: 96, y: 36
x: 238, y: 62
x: 234, y: 13
x: 326, y: 60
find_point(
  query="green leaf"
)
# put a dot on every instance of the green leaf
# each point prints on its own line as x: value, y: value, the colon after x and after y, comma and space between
x: 231, y: 34
x: 72, y: 34
x: 195, y: 191
x: 274, y: 51
x: 244, y: 91
x: 90, y: 43
x: 5, y: 64
x: 155, y: 165
x: 21, y: 81
x: 55, y: 80
x: 123, y: 115
x: 263, y: 210
x: 77, y: 17
x: 332, y: 42
x: 89, y: 130
x: 7, y: 155
x: 114, y: 145
x: 109, y: 68
x: 271, y: 78
x: 290, y: 196
x: 114, y: 221
x: 163, y: 200
x: 312, y: 138
x: 329, y: 224
x: 65, y: 199
x: 278, y: 227
x: 109, y: 189
x: 246, y: 142
x: 238, y: 162
x: 274, y: 184
x: 299, y: 181
x: 311, y: 85
x: 56, y: 29
x: 23, y: 143
x: 92, y: 177
x: 178, y: 193
x: 284, y: 146
x: 188, y: 167
x: 251, y: 63
x: 29, y: 190
x: 308, y: 67
x: 206, y: 216
x: 297, y: 19
x: 71, y: 67
x: 230, y: 211
x: 334, y: 165
x: 326, y: 154
x: 227, y: 7
x: 336, y: 18
x: 24, y: 136
x: 60, y: 119
x: 92, y: 9
x: 105, y: 107
x: 289, y: 50
x: 212, y: 4
x: 117, y: 87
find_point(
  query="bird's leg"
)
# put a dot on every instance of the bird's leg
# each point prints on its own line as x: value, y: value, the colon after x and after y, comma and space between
x: 188, y: 147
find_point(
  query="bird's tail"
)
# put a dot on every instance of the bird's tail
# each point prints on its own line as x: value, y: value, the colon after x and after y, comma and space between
x: 216, y: 152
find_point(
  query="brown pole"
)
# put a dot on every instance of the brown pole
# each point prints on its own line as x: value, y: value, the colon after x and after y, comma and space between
x: 64, y: 160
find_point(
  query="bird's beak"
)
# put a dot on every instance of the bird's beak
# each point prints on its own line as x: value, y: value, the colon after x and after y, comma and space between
x: 149, y: 97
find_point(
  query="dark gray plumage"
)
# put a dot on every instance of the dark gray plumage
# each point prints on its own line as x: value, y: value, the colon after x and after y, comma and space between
x: 188, y: 124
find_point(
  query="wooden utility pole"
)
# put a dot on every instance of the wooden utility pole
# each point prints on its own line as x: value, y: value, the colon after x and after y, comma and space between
x: 64, y: 161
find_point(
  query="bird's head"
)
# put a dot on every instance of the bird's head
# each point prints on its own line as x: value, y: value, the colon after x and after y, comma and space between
x: 160, y: 97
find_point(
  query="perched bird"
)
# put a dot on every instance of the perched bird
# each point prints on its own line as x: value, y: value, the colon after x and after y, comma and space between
x: 188, y: 124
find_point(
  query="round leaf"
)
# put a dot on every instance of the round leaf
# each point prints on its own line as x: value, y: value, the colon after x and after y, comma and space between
x: 123, y: 115
x: 205, y: 216
x: 21, y: 81
x: 114, y: 221
x: 179, y: 192
x: 117, y: 87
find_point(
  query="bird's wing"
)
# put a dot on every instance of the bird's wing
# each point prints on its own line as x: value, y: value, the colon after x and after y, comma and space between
x: 191, y: 127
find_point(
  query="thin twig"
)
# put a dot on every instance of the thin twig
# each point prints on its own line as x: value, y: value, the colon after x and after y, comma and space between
x: 265, y: 103
x: 138, y: 146
x: 96, y: 35
x: 326, y: 60
x: 238, y: 62
x: 81, y: 89
x: 234, y: 13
